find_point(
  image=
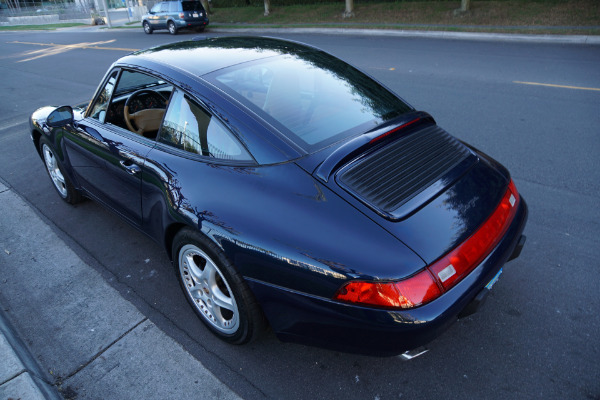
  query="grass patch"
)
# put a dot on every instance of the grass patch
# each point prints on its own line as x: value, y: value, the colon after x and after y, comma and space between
x: 50, y: 27
x: 508, y: 15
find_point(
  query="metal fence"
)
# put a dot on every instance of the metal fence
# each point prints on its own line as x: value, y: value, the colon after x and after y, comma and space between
x: 65, y: 10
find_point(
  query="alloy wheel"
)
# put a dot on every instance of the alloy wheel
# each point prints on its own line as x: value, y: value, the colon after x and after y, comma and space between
x: 54, y: 171
x: 209, y: 290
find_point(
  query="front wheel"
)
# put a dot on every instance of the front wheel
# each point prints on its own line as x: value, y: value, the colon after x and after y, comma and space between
x: 147, y: 28
x: 215, y: 289
x: 172, y: 28
x: 59, y: 179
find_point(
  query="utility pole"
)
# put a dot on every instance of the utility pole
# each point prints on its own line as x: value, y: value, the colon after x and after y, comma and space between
x: 106, y: 13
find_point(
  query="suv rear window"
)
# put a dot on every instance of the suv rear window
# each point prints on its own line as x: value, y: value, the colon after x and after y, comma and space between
x: 192, y: 6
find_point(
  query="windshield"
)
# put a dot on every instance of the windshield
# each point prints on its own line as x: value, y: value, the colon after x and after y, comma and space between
x: 132, y: 81
x: 316, y: 98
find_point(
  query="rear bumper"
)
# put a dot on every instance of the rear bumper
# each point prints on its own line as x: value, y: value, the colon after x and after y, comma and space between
x: 302, y: 318
x: 191, y: 23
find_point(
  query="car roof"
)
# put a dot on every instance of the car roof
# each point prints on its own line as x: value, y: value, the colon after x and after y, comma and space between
x: 200, y: 57
x: 184, y: 63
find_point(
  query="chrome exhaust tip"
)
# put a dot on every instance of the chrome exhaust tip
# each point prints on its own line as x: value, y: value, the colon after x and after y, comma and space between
x: 410, y: 354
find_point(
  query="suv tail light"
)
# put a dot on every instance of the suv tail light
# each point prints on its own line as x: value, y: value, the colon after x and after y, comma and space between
x: 443, y: 274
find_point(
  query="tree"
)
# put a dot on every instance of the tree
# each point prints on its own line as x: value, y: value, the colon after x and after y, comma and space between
x: 206, y: 5
x: 465, y: 6
x: 349, y: 13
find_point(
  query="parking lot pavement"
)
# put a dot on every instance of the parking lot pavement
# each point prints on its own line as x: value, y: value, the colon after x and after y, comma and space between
x: 95, y: 344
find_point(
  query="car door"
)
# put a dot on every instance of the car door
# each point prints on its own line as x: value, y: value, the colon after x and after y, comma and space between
x: 153, y: 16
x: 194, y: 151
x: 108, y: 159
x: 163, y: 15
x: 158, y: 15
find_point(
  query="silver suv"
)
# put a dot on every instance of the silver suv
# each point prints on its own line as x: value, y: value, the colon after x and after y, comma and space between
x: 175, y: 15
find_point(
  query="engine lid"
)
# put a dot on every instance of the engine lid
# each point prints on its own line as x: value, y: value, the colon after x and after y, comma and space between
x: 397, y: 178
x: 425, y: 187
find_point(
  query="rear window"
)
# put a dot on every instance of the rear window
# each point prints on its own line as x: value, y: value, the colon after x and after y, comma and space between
x: 315, y: 97
x: 192, y: 6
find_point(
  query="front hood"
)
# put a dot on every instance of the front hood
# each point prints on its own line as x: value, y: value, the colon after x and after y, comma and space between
x: 424, y: 187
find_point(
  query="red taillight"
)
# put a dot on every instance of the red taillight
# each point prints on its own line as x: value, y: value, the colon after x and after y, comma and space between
x: 414, y: 291
x: 181, y: 15
x: 455, y: 265
x: 430, y: 283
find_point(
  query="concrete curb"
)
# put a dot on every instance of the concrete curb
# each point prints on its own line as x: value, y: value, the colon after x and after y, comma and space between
x: 21, y: 376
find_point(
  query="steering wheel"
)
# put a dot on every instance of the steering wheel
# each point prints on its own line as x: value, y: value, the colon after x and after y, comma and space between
x: 147, y: 120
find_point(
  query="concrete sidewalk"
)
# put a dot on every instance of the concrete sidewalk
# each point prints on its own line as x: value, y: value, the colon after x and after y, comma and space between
x: 65, y: 332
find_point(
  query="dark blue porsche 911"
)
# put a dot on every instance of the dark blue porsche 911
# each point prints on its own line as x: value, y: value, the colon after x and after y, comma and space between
x: 290, y: 190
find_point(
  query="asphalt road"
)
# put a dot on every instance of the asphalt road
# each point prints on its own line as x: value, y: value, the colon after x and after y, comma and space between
x: 538, y: 333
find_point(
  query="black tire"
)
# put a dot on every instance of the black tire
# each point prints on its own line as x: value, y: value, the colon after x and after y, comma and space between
x: 172, y: 28
x: 214, y: 288
x: 147, y: 28
x: 60, y: 180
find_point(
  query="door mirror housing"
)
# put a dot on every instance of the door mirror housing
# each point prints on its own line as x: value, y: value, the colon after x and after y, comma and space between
x: 60, y: 117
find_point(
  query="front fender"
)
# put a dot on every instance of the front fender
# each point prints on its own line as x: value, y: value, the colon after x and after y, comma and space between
x: 37, y: 125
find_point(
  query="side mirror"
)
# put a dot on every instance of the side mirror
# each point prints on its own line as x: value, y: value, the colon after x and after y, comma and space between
x: 60, y: 117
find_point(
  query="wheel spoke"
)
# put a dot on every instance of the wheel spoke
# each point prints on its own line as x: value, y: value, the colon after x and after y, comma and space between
x: 50, y: 162
x: 59, y: 177
x: 195, y: 271
x: 221, y: 299
x: 209, y: 274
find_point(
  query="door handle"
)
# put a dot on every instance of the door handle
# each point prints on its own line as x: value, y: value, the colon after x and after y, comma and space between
x: 130, y: 167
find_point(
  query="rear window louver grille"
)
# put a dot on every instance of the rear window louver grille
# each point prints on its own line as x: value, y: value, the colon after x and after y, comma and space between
x: 394, y: 174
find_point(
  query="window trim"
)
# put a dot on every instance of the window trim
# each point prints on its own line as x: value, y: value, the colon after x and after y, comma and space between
x: 201, y: 103
x: 209, y: 159
x: 99, y: 90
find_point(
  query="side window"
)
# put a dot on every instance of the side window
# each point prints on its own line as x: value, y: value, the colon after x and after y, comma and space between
x: 156, y: 8
x: 173, y: 6
x: 187, y: 126
x: 164, y: 7
x: 101, y: 105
